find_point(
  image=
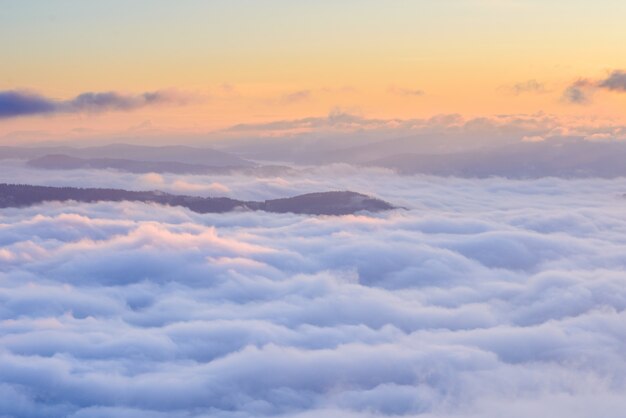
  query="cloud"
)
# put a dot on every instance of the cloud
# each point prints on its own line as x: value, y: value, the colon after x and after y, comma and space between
x: 229, y: 89
x: 580, y: 91
x: 306, y: 95
x: 22, y: 103
x: 343, y: 90
x: 402, y: 91
x: 337, y: 117
x: 536, y: 138
x: 350, y: 137
x: 99, y: 102
x: 296, y: 97
x: 530, y: 86
x: 352, y: 121
x: 484, y: 298
x: 615, y: 82
x: 15, y: 103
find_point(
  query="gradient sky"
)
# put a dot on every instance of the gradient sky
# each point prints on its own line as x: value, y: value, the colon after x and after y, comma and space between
x: 243, y: 61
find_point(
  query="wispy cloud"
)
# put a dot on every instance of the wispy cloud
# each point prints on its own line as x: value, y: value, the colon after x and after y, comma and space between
x: 529, y: 86
x: 337, y: 118
x: 403, y: 91
x: 296, y: 97
x: 15, y: 103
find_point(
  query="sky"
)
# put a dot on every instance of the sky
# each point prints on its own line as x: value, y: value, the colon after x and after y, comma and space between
x: 496, y: 288
x: 215, y: 64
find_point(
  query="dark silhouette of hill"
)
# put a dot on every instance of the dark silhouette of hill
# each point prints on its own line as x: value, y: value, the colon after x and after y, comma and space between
x: 328, y: 203
x: 336, y: 203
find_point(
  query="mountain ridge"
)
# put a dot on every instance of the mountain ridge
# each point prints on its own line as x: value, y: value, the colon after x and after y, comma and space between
x: 321, y: 203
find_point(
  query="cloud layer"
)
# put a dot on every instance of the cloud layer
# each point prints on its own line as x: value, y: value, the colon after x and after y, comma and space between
x: 15, y: 103
x: 486, y: 298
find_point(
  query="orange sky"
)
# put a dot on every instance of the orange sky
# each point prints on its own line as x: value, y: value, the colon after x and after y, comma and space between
x: 250, y: 61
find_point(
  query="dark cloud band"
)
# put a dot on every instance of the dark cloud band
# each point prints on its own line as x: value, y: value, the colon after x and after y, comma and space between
x: 15, y: 103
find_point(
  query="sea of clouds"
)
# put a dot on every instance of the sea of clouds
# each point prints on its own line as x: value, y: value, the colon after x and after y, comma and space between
x: 481, y: 298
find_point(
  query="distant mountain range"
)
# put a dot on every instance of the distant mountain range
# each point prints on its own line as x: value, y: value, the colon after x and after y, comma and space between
x: 556, y: 156
x: 177, y: 153
x: 66, y: 162
x: 567, y: 157
x: 453, y: 155
x: 326, y: 203
x: 141, y: 159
